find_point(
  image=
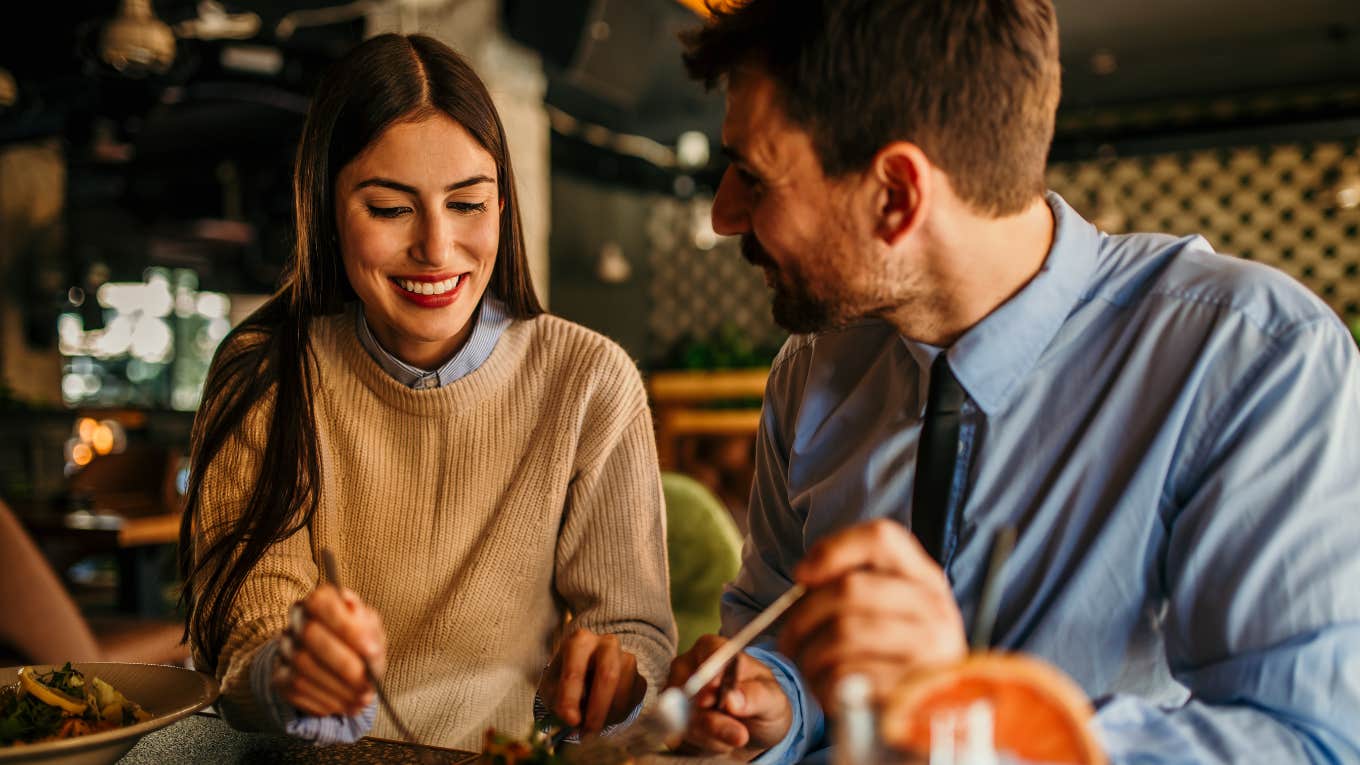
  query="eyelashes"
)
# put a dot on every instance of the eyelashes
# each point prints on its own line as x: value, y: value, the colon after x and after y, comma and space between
x: 387, y: 212
x: 464, y: 208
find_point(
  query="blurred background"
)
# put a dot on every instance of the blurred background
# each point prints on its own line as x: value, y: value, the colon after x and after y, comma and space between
x: 145, y: 147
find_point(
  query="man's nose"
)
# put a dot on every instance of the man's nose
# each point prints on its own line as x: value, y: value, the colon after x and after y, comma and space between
x: 730, y: 216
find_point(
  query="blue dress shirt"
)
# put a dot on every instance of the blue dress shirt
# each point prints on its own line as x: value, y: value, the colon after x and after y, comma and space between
x: 1176, y: 435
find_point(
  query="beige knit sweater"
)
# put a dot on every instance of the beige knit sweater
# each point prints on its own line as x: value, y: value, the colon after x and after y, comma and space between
x: 472, y: 517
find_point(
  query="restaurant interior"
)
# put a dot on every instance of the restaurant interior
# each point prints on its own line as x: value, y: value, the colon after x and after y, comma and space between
x: 145, y: 210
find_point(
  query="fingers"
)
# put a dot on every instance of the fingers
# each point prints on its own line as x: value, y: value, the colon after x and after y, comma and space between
x: 758, y: 697
x: 712, y: 732
x: 605, y: 672
x: 861, y: 593
x: 592, y: 682
x: 304, y: 694
x: 754, y: 714
x: 685, y: 664
x: 573, y: 661
x: 323, y: 650
x: 305, y: 665
x: 331, y: 633
x: 876, y: 601
x: 883, y: 546
x: 345, y: 616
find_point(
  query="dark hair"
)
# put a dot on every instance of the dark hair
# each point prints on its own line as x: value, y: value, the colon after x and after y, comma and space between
x: 385, y: 80
x: 974, y: 83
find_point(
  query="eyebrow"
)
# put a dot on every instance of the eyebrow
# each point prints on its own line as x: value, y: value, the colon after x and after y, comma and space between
x: 388, y: 183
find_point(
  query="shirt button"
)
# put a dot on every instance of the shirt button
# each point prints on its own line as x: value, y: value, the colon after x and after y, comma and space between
x: 427, y: 382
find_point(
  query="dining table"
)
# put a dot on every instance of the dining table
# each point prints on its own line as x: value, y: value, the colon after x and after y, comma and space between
x: 206, y: 738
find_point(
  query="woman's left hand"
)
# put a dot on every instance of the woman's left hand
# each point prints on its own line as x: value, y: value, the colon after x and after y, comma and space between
x: 592, y: 682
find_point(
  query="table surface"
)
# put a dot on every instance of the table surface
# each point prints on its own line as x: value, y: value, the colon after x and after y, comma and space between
x: 205, y: 737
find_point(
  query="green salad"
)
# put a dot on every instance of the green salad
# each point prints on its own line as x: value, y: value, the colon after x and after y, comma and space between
x: 61, y: 703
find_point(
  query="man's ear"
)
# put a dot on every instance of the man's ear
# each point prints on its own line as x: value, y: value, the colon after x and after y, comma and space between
x: 902, y: 173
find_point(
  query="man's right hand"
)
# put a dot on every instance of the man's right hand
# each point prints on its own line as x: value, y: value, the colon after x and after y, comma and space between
x: 754, y: 715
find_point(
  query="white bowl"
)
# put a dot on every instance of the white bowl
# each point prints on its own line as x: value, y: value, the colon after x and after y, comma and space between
x: 168, y: 693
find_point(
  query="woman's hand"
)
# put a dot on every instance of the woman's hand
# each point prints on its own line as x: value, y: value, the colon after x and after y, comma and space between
x: 592, y: 682
x: 321, y: 668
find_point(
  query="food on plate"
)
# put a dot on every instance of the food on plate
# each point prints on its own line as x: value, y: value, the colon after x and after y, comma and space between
x: 1039, y: 714
x: 501, y: 749
x: 61, y: 703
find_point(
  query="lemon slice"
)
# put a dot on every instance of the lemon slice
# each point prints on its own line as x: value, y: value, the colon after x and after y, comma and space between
x: 48, y: 694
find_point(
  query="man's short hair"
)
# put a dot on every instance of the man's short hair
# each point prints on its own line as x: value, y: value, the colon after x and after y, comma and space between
x: 974, y: 83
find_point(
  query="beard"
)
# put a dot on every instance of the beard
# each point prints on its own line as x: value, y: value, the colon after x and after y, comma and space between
x: 795, y: 308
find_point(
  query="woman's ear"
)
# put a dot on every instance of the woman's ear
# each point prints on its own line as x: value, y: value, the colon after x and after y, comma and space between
x: 902, y: 173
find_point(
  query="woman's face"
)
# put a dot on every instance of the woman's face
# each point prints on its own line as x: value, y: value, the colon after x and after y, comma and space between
x: 418, y: 218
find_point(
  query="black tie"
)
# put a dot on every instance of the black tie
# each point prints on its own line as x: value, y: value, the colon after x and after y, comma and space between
x: 935, y: 458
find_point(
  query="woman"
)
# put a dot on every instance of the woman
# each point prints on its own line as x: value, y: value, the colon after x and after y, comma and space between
x: 480, y: 470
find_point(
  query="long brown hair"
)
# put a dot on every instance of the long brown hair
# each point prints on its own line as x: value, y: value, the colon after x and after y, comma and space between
x: 386, y: 79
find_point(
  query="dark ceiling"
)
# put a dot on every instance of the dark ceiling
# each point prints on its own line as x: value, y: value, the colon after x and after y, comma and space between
x: 207, y: 141
x: 1114, y: 52
x: 1169, y: 48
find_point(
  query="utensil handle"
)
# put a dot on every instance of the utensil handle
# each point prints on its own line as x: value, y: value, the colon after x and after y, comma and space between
x: 331, y: 570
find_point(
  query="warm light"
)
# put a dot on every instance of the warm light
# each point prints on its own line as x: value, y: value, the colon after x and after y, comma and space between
x: 701, y: 7
x: 85, y: 428
x: 103, y: 439
x: 81, y: 454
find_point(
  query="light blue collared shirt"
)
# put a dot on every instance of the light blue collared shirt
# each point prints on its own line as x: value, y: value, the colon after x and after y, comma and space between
x: 489, y: 323
x: 1175, y: 434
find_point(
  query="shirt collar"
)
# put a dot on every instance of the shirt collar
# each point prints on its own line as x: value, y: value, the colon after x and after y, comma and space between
x: 990, y: 359
x: 489, y: 321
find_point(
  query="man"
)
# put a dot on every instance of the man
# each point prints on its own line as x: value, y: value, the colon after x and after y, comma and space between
x: 1175, y: 434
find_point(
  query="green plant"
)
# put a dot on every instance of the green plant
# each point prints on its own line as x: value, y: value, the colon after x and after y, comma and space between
x: 727, y: 348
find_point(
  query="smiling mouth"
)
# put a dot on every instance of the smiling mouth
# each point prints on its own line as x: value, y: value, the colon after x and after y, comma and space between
x: 429, y: 288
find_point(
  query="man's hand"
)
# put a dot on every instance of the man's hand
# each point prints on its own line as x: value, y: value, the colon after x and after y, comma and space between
x: 322, y: 653
x: 877, y: 605
x: 592, y: 682
x: 753, y: 715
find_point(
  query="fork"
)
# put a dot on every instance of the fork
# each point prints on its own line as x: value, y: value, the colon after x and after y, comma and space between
x: 328, y: 565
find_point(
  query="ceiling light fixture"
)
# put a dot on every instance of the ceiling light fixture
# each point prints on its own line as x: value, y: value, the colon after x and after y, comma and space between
x: 214, y: 23
x: 137, y: 43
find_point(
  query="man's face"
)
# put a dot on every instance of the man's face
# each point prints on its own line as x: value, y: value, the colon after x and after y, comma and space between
x: 806, y: 231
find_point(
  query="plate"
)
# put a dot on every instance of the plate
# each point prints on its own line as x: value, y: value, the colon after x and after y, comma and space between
x: 169, y: 693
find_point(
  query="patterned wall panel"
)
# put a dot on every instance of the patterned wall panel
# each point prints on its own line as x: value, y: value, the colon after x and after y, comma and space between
x: 1293, y: 206
x: 701, y: 287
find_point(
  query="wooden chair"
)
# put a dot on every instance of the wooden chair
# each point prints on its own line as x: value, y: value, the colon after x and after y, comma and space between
x: 682, y: 405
